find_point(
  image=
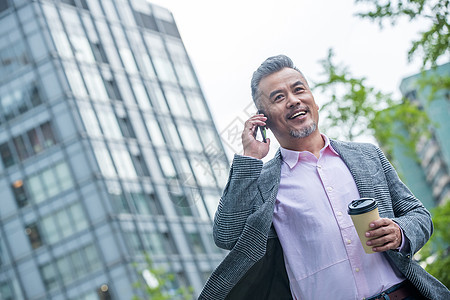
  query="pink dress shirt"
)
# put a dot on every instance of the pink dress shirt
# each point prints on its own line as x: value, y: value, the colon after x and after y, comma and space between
x: 323, y: 255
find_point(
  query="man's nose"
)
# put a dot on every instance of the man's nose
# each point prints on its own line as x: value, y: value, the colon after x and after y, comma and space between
x: 292, y: 100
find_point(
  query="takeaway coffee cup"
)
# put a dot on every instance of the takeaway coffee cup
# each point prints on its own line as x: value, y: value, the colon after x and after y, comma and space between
x: 363, y: 211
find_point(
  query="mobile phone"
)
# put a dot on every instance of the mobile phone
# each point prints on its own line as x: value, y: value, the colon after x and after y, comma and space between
x: 263, y: 133
x: 262, y: 129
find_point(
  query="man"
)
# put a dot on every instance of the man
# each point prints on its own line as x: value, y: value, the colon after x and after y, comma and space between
x: 286, y: 223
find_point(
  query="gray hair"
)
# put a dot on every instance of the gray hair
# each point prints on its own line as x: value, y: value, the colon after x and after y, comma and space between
x: 271, y: 65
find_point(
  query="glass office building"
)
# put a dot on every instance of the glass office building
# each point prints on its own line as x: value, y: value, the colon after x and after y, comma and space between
x: 108, y: 151
x: 428, y: 174
x: 434, y: 151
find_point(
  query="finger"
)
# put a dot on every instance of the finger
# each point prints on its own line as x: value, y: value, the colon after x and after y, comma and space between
x: 253, y: 122
x: 258, y: 117
x: 251, y: 128
x: 384, y: 230
x: 380, y: 222
x: 380, y: 241
x: 385, y: 247
x: 390, y: 238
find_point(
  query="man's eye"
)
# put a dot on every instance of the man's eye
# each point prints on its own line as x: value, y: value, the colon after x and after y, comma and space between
x: 299, y: 89
x: 278, y: 97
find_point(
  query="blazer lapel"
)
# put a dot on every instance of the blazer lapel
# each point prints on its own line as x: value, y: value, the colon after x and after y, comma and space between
x: 354, y: 159
x: 270, y: 178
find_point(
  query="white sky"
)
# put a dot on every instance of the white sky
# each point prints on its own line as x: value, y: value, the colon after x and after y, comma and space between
x: 228, y: 40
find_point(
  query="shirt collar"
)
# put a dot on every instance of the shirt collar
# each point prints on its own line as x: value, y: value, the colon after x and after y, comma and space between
x: 292, y: 157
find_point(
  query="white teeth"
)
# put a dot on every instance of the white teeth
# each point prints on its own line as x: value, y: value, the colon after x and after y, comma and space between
x: 301, y: 113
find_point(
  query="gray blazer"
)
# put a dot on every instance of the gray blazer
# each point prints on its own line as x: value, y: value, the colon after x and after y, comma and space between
x: 243, y: 221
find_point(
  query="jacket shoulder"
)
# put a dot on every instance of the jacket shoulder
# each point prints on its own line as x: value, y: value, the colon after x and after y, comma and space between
x: 344, y: 145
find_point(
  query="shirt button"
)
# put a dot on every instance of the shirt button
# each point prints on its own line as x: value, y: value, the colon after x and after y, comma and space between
x: 329, y: 188
x: 319, y: 167
x: 357, y: 269
x: 339, y: 213
x: 349, y: 241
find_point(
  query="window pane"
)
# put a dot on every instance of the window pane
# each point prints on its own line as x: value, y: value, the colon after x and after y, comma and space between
x: 156, y: 244
x: 128, y: 60
x: 63, y: 175
x: 212, y: 201
x: 62, y: 43
x: 141, y: 95
x: 110, y: 11
x: 6, y: 292
x: 7, y: 157
x: 190, y: 137
x: 21, y: 149
x: 8, y: 104
x: 93, y: 261
x: 167, y: 166
x: 78, y: 263
x: 65, y: 269
x: 34, y: 95
x: 197, y: 107
x: 185, y: 75
x: 169, y: 244
x: 78, y: 217
x: 49, y: 136
x: 89, y: 120
x: 196, y: 243
x: 157, y: 97
x: 182, y: 204
x: 35, y: 187
x: 50, y: 230
x: 221, y: 170
x: 34, y: 141
x: 19, y: 193
x: 173, y: 134
x: 82, y: 48
x: 123, y: 163
x: 126, y: 127
x: 104, y: 161
x: 95, y: 84
x: 64, y: 223
x: 75, y: 80
x: 201, y: 209
x: 140, y: 165
x: 155, y: 205
x: 21, y: 99
x: 112, y: 89
x: 49, y: 276
x: 141, y: 204
x: 99, y: 53
x: 119, y: 202
x: 50, y: 182
x: 108, y: 122
x: 177, y: 103
x: 34, y: 236
x: 164, y: 69
x: 124, y: 89
x: 155, y: 131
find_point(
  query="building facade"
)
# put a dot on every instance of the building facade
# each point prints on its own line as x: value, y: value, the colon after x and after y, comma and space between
x: 108, y: 151
x: 428, y: 176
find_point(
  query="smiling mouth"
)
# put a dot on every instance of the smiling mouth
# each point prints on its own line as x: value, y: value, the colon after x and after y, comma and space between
x: 298, y: 114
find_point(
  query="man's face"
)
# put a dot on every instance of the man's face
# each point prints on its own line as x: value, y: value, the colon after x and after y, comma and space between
x: 289, y: 106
